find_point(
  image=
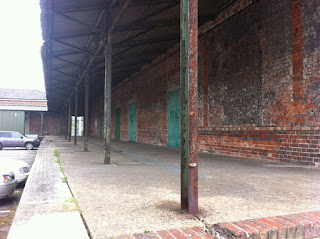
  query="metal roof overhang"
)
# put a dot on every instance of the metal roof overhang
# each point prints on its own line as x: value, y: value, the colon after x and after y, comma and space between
x: 74, y: 40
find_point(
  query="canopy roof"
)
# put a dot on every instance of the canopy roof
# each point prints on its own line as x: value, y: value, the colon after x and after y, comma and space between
x: 74, y: 39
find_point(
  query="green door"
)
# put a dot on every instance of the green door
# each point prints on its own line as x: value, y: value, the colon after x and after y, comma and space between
x: 101, y: 126
x: 117, y: 133
x: 174, y: 124
x: 133, y: 122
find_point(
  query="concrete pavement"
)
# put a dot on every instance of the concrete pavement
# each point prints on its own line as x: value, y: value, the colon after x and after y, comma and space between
x: 140, y: 190
x: 47, y: 209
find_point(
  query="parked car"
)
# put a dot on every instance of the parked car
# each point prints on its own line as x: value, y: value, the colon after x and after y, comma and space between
x: 19, y: 168
x: 15, y: 139
x: 8, y: 183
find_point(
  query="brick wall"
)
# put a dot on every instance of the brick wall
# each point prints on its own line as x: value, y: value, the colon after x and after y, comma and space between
x: 259, y: 72
x: 51, y: 123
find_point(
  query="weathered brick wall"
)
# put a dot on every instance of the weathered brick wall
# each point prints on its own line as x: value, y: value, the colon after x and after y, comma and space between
x: 51, y: 123
x: 259, y: 72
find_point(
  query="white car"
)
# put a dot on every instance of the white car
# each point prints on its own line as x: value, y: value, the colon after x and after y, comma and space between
x: 7, y: 183
x: 19, y: 168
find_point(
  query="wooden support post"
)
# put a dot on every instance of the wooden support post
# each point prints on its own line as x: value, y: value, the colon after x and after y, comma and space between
x: 86, y: 112
x: 107, y: 89
x: 75, y: 115
x: 189, y: 104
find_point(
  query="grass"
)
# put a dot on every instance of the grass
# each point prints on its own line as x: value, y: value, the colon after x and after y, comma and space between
x: 65, y: 179
x: 74, y: 201
x: 56, y: 153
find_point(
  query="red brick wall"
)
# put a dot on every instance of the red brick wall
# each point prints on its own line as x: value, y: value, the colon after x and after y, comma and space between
x: 23, y: 102
x: 51, y: 123
x: 259, y: 72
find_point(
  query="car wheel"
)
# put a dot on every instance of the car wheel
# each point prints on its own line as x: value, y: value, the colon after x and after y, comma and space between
x: 29, y: 146
x: 1, y: 146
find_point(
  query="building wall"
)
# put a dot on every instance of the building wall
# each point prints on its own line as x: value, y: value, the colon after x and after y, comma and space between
x: 258, y: 84
x: 51, y: 123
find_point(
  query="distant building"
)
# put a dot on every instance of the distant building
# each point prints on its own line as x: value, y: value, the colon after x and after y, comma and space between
x: 22, y: 110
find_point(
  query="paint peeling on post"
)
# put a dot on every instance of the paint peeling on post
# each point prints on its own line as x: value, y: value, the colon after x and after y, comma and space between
x: 69, y: 122
x: 86, y: 112
x: 41, y: 124
x: 189, y: 104
x: 75, y: 115
x: 65, y: 124
x: 107, y: 89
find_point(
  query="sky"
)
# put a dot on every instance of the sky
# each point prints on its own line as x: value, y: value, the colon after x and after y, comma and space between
x: 20, y: 44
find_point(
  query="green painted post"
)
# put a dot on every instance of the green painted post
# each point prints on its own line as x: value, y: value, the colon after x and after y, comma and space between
x: 69, y: 122
x: 41, y: 123
x: 189, y: 104
x: 65, y: 123
x: 75, y: 115
x: 107, y: 89
x: 184, y: 42
x: 86, y: 113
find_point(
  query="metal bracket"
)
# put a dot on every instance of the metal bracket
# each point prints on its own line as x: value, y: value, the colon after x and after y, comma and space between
x: 192, y: 165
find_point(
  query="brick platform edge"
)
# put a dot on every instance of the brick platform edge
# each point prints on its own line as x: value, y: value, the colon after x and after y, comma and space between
x: 301, y: 225
x: 195, y: 232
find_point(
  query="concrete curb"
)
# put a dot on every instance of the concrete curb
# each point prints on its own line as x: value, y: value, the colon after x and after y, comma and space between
x: 47, y: 209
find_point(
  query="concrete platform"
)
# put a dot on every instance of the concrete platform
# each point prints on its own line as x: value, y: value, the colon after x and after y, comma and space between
x: 140, y: 190
x: 47, y: 209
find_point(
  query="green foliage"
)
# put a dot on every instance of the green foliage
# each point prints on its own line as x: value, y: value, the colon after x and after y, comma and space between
x: 56, y: 153
x: 65, y: 179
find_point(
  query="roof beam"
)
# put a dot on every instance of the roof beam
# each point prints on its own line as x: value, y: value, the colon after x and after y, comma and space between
x: 56, y: 92
x: 123, y: 5
x: 143, y: 19
x: 151, y: 2
x: 65, y: 53
x: 147, y: 25
x: 92, y: 28
x: 69, y: 62
x: 79, y: 9
x: 73, y: 47
x: 63, y: 82
x: 145, y: 41
x: 75, y: 35
x: 66, y: 74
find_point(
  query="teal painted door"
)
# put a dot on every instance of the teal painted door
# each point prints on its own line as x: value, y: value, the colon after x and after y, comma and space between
x: 101, y: 126
x: 174, y: 122
x: 117, y: 129
x: 133, y: 122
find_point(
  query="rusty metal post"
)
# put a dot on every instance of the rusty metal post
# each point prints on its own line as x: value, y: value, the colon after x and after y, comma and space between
x: 65, y: 124
x: 86, y: 112
x: 41, y: 124
x: 75, y: 115
x: 189, y: 104
x: 107, y: 89
x: 69, y: 122
x: 61, y: 124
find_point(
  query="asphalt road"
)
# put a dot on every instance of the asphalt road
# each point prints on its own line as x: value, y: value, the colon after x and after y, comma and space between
x: 8, y: 206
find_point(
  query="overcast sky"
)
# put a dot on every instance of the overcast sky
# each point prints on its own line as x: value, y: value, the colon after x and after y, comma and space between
x: 20, y: 44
